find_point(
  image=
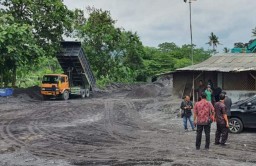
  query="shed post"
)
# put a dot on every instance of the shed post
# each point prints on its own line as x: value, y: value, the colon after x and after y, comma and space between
x: 220, y: 80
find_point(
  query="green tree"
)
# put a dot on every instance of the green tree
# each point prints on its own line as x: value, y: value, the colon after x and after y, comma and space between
x: 31, y: 74
x: 114, y: 54
x: 239, y: 45
x: 168, y: 57
x: 179, y: 63
x: 100, y: 39
x: 201, y: 55
x: 254, y: 32
x: 132, y: 50
x: 157, y: 61
x: 45, y: 21
x: 50, y: 20
x: 226, y: 50
x: 17, y: 46
x: 167, y: 47
x: 213, y: 41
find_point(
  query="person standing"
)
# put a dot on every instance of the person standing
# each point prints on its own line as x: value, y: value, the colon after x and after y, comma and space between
x: 228, y: 104
x: 201, y: 88
x: 187, y: 107
x: 217, y: 91
x: 208, y: 93
x: 202, y: 119
x: 221, y: 121
x: 210, y: 83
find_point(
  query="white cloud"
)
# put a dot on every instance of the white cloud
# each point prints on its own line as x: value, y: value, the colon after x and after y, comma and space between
x: 168, y: 20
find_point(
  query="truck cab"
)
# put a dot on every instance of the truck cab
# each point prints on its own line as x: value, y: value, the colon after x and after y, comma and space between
x: 55, y: 85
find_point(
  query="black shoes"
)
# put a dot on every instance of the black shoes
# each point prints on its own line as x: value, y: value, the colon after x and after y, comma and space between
x: 197, y: 148
x: 222, y: 144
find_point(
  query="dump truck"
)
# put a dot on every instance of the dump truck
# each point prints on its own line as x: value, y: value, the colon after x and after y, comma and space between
x: 78, y: 78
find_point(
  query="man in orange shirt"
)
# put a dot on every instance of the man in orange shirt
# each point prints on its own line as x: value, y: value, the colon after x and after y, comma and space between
x: 203, y: 116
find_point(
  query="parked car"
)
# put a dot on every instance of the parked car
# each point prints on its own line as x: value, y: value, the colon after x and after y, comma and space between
x: 243, y: 115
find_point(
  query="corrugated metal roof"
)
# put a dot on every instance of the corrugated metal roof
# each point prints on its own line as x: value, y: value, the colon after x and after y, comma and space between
x: 226, y: 62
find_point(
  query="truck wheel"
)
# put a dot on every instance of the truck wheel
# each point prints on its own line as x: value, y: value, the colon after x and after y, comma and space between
x: 65, y: 95
x: 83, y: 95
x: 87, y: 93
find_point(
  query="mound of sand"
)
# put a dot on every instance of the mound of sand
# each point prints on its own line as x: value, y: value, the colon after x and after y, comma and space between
x: 145, y: 91
x: 161, y: 87
x: 137, y: 90
x: 31, y: 92
x: 122, y: 86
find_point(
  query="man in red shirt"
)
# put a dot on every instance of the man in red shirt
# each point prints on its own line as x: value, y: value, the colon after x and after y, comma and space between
x: 203, y: 116
x: 222, y: 121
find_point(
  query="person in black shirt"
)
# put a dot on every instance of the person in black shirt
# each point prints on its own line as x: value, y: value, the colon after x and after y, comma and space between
x: 186, y: 107
x: 201, y: 88
x: 228, y: 103
x: 216, y: 92
x: 221, y: 121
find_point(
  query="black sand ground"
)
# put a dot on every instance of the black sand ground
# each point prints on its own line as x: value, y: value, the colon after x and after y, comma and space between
x: 123, y: 125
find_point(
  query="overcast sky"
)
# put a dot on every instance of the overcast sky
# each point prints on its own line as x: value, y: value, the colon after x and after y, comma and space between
x: 158, y: 21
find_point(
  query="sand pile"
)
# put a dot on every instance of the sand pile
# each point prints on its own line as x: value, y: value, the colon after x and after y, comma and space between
x: 122, y: 86
x: 31, y: 92
x: 161, y: 87
x: 145, y: 91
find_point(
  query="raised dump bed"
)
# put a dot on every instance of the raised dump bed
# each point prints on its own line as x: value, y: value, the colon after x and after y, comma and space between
x: 75, y: 64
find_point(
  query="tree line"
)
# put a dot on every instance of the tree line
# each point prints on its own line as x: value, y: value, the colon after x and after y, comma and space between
x: 31, y: 32
x: 214, y: 42
x: 118, y: 55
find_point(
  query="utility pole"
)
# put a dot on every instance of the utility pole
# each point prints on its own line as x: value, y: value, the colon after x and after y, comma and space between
x: 191, y: 34
x: 191, y: 43
x: 190, y: 24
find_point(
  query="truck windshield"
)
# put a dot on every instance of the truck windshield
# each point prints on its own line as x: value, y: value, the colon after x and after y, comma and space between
x: 50, y: 79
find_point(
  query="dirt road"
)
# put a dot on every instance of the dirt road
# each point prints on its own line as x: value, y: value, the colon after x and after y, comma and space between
x: 111, y: 129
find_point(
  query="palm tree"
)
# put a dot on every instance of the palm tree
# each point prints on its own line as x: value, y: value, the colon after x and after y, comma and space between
x: 254, y: 32
x: 213, y: 41
x: 226, y: 50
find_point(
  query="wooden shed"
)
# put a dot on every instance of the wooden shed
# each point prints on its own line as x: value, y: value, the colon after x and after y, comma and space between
x: 234, y: 73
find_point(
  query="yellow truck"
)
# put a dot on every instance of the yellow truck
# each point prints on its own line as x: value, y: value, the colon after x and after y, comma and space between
x: 77, y: 80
